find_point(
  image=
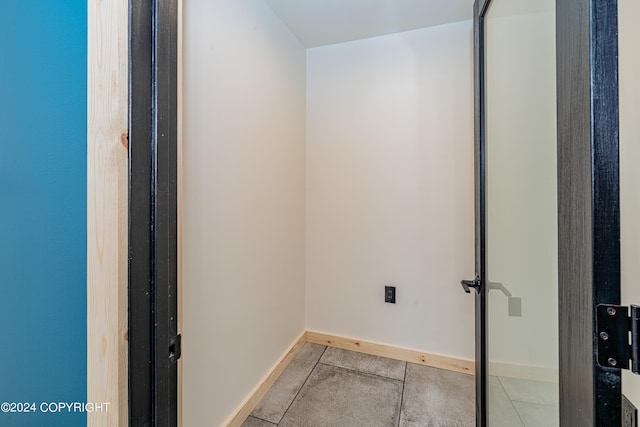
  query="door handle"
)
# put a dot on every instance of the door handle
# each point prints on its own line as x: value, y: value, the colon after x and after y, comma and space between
x: 468, y: 284
x: 500, y: 287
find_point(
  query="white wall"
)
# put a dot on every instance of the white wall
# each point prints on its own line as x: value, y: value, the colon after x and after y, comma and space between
x: 390, y: 189
x: 629, y: 66
x: 243, y: 202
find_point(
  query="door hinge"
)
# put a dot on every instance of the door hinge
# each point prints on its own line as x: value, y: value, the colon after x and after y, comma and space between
x: 175, y: 348
x: 618, y: 336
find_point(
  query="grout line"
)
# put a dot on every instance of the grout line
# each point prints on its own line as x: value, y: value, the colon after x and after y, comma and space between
x: 404, y: 382
x: 360, y: 372
x: 261, y: 419
x: 550, y: 405
x: 510, y: 401
x: 303, y: 383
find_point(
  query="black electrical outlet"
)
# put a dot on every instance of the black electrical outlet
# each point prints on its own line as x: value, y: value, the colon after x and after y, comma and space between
x: 390, y: 294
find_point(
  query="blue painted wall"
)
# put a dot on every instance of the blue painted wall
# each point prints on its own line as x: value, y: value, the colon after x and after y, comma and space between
x: 43, y: 128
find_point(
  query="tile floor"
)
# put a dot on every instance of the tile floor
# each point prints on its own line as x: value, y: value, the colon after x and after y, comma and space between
x: 326, y: 387
x: 522, y: 403
x: 332, y: 387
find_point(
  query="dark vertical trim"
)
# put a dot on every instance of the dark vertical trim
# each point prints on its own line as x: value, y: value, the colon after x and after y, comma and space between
x: 141, y: 367
x: 588, y: 204
x: 606, y: 193
x: 154, y: 347
x: 479, y: 8
x: 165, y: 213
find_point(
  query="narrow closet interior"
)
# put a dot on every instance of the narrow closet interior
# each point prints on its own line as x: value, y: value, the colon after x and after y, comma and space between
x: 321, y: 164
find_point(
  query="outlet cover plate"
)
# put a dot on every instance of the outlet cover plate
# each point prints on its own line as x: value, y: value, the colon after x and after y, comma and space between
x: 515, y: 306
x: 390, y: 294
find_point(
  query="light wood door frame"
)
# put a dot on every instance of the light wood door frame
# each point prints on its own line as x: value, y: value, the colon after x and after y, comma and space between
x: 107, y: 210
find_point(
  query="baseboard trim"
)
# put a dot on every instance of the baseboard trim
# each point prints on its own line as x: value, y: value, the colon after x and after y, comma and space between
x: 259, y: 392
x: 391, y: 352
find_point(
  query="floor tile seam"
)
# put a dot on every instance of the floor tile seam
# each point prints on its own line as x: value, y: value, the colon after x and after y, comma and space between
x: 361, y: 372
x: 261, y: 419
x: 510, y: 401
x: 532, y: 381
x: 538, y: 381
x: 404, y: 381
x: 518, y: 414
x: 534, y: 403
x: 302, y: 386
x: 518, y: 400
x: 504, y: 388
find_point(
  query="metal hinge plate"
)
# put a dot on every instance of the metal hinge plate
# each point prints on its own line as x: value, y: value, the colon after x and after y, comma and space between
x: 618, y: 340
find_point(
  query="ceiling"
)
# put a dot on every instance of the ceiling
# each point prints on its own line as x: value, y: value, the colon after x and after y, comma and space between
x: 323, y: 22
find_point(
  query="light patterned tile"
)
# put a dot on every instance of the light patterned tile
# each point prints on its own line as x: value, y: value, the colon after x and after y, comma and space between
x: 437, y: 398
x: 255, y: 422
x: 535, y: 415
x: 274, y: 404
x: 364, y: 363
x: 337, y: 397
x: 542, y: 392
x: 500, y: 410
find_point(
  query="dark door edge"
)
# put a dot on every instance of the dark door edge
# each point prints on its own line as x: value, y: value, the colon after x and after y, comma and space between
x: 153, y: 341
